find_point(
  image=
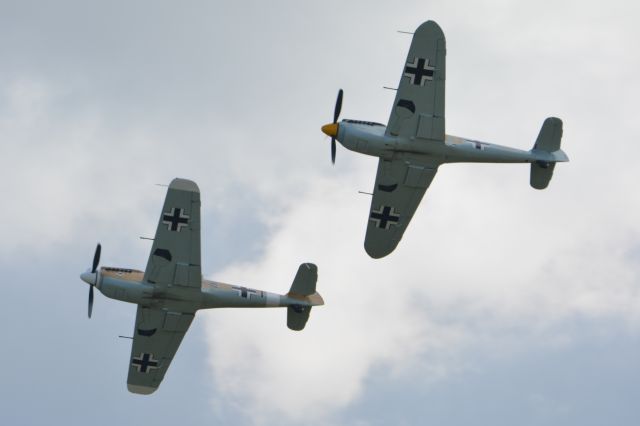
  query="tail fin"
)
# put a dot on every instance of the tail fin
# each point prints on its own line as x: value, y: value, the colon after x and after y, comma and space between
x: 548, y: 145
x: 303, y: 289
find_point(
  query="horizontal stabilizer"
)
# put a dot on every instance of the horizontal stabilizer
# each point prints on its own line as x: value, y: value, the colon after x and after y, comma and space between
x: 541, y: 174
x: 547, y: 148
x: 550, y: 135
x: 297, y: 317
x: 304, y: 283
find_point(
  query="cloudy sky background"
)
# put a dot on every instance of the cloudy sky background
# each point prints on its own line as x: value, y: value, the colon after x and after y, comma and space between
x: 502, y: 305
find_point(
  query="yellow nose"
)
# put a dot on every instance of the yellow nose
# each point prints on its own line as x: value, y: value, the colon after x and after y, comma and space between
x: 330, y: 129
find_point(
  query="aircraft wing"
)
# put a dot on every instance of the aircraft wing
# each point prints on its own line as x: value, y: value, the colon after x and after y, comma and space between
x: 399, y: 188
x: 157, y: 336
x: 175, y: 255
x: 418, y: 110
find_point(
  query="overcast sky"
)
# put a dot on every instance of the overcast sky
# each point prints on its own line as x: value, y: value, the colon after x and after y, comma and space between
x: 502, y: 305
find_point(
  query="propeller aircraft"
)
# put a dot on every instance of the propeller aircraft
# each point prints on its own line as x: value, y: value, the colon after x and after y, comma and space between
x: 413, y: 144
x: 171, y: 289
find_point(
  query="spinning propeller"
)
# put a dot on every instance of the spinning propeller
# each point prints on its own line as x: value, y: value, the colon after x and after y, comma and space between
x: 92, y: 277
x: 332, y: 129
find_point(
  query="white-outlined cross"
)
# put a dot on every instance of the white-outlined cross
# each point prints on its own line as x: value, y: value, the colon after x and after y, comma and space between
x: 419, y: 71
x: 144, y: 363
x: 175, y: 219
x: 385, y: 216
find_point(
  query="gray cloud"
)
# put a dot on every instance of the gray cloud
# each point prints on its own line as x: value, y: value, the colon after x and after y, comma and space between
x: 98, y: 102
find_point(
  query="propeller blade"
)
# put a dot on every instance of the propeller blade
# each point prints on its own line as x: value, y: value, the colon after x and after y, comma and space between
x: 338, y: 108
x: 96, y: 259
x: 333, y: 150
x: 90, y: 300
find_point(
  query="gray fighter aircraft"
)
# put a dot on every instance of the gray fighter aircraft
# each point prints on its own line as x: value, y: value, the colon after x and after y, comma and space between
x: 171, y: 289
x: 413, y: 143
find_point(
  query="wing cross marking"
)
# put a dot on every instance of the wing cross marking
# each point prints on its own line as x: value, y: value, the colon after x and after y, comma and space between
x: 385, y: 216
x: 417, y: 70
x: 144, y: 363
x: 175, y: 219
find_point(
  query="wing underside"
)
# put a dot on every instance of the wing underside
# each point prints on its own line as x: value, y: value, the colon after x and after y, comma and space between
x: 175, y: 255
x: 418, y: 109
x: 174, y: 261
x: 157, y: 337
x: 399, y: 188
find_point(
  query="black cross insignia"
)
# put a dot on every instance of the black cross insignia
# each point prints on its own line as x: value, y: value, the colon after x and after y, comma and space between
x: 144, y: 363
x: 175, y: 219
x: 418, y: 69
x: 244, y: 292
x: 385, y: 216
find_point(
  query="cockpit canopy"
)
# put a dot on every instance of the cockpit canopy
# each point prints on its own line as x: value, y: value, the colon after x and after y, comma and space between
x: 366, y: 123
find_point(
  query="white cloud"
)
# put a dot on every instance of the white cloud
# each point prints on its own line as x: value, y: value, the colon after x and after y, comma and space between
x: 480, y: 262
x: 487, y: 263
x: 306, y: 375
x: 92, y: 122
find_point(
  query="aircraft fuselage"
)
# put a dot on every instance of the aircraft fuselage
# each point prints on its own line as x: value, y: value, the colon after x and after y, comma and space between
x: 128, y: 285
x: 370, y: 139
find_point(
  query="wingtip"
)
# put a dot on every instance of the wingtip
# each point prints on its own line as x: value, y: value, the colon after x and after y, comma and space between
x: 376, y: 253
x: 141, y: 390
x: 430, y: 28
x: 184, y: 185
